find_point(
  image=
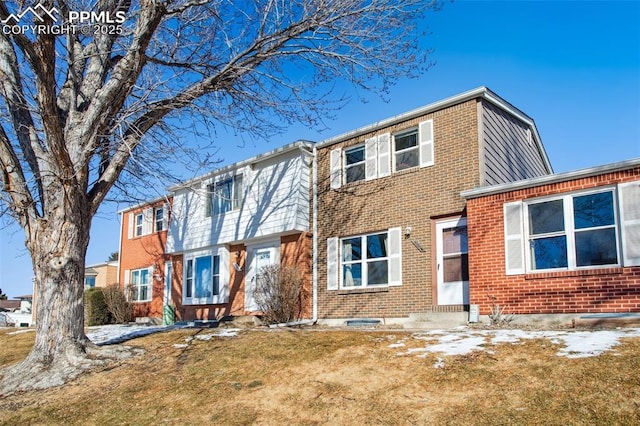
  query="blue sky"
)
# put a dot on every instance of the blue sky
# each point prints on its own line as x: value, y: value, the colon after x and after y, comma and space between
x: 574, y: 67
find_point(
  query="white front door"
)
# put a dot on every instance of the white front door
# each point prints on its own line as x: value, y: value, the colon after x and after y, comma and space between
x: 452, y: 262
x: 259, y: 257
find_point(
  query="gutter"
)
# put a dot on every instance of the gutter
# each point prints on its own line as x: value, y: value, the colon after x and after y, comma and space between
x: 314, y: 262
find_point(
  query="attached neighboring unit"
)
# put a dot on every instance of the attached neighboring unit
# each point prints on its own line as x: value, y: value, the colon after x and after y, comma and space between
x: 197, y: 253
x: 143, y: 259
x: 227, y: 225
x: 392, y: 227
x: 561, y: 244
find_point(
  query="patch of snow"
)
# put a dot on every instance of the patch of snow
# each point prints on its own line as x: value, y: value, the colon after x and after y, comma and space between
x: 230, y: 332
x: 26, y: 330
x: 439, y: 363
x: 576, y: 344
x: 117, y: 333
x: 180, y: 345
x: 397, y: 345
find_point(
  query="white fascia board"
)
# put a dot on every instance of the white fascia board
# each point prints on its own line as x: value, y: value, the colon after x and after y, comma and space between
x: 305, y: 146
x: 550, y: 179
x: 146, y: 203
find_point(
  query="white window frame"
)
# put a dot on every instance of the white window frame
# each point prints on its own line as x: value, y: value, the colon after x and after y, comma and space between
x: 345, y: 152
x: 157, y: 221
x: 407, y: 132
x: 138, y: 225
x: 223, y: 277
x: 236, y: 192
x: 364, y: 261
x: 569, y: 230
x: 137, y: 285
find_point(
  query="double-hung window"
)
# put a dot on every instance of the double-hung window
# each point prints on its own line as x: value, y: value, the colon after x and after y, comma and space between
x: 406, y: 151
x: 140, y: 285
x: 224, y: 196
x: 365, y: 260
x: 354, y: 164
x: 158, y: 219
x: 572, y: 231
x: 202, y: 279
x: 139, y: 221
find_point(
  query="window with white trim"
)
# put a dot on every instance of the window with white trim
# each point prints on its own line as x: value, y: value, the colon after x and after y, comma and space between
x: 139, y: 221
x: 224, y: 196
x: 205, y: 277
x: 373, y: 159
x: 406, y: 151
x: 158, y: 219
x: 141, y: 284
x: 572, y: 231
x: 367, y: 260
x: 354, y: 164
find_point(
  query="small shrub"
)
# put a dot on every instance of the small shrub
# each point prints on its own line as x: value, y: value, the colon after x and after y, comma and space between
x: 278, y: 293
x: 499, y: 316
x: 96, y: 312
x: 119, y: 307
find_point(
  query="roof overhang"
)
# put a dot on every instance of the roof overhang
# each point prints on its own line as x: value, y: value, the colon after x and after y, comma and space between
x: 551, y: 179
x: 481, y: 92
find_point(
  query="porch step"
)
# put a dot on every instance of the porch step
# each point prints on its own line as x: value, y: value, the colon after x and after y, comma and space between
x: 436, y: 320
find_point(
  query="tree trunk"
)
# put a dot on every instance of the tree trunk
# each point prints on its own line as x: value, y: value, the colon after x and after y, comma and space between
x: 61, y: 350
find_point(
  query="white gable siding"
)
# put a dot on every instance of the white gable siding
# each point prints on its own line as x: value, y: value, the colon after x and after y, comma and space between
x: 275, y: 201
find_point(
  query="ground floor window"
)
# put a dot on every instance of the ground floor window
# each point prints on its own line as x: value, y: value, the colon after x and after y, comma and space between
x: 365, y: 260
x: 140, y: 285
x: 205, y: 274
x: 573, y: 231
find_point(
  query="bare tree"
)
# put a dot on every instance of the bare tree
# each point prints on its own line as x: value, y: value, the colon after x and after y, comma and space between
x: 82, y: 109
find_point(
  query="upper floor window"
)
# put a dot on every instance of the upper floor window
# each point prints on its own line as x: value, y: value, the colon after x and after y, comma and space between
x: 149, y: 220
x: 224, y: 196
x: 158, y: 219
x: 354, y: 164
x: 411, y: 148
x: 406, y: 150
x: 139, y: 222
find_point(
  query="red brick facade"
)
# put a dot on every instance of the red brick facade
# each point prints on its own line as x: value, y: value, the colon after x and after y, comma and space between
x: 586, y: 290
x: 138, y: 252
x: 295, y: 250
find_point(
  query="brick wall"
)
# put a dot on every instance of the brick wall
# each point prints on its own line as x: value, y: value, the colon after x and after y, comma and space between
x: 614, y: 289
x: 143, y: 252
x: 413, y: 197
x: 294, y: 249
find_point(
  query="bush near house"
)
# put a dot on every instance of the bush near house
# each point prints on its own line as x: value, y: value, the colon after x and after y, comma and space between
x: 279, y: 293
x: 117, y: 304
x: 96, y: 311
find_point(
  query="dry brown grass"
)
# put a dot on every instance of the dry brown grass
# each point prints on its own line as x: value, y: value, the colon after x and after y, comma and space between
x: 334, y: 377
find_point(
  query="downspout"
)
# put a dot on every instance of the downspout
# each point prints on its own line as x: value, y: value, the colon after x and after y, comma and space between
x: 120, y: 247
x: 314, y: 246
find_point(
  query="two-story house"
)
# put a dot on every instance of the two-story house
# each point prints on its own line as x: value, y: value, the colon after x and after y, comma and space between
x: 391, y: 223
x: 143, y: 263
x: 227, y: 225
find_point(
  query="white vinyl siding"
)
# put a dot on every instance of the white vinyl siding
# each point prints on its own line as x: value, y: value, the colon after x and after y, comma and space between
x: 276, y: 200
x: 629, y: 194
